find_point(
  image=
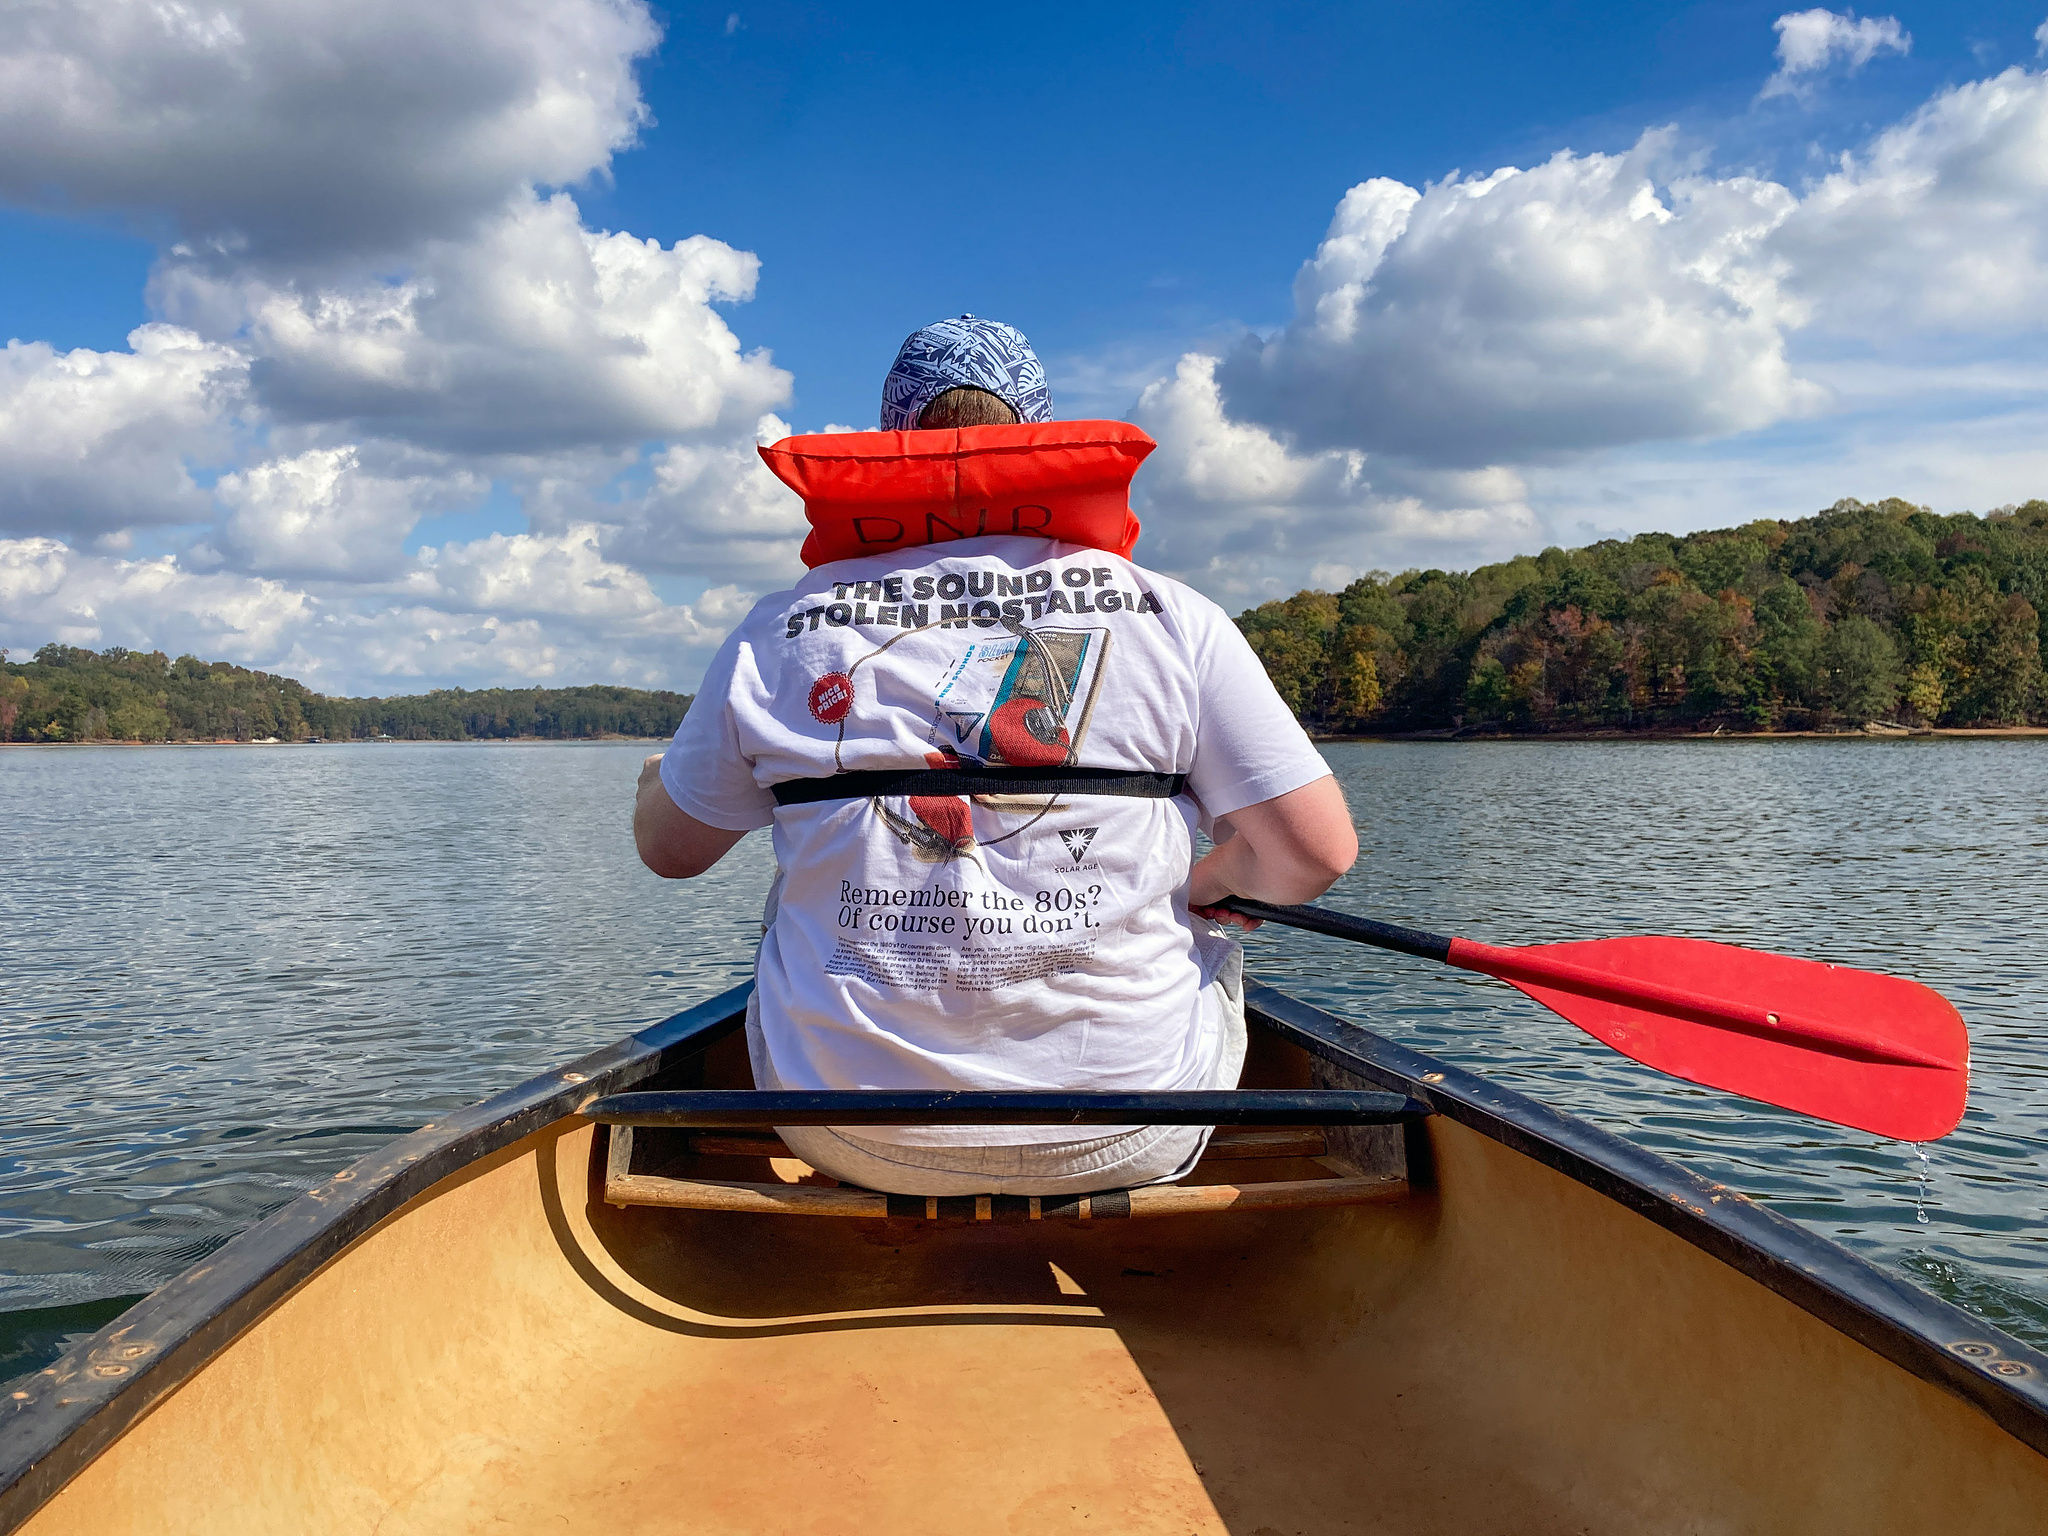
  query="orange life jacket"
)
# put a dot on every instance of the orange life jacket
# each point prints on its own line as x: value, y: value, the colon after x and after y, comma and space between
x: 867, y: 493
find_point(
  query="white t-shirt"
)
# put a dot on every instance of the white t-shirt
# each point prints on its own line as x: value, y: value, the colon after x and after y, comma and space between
x: 1008, y: 942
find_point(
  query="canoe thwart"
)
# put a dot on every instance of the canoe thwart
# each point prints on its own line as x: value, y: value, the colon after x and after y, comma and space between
x: 1230, y: 1143
x: 734, y: 1109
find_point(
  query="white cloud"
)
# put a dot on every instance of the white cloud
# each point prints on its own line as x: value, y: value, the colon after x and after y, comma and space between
x: 1576, y: 305
x: 1941, y: 224
x: 1207, y: 460
x: 49, y: 591
x: 2041, y: 39
x: 287, y: 129
x: 95, y: 443
x: 564, y: 574
x: 501, y: 610
x: 713, y: 507
x: 373, y: 309
x: 1514, y: 356
x: 1231, y: 509
x: 532, y: 336
x: 1808, y: 41
x: 403, y: 649
x: 322, y: 514
x: 376, y: 419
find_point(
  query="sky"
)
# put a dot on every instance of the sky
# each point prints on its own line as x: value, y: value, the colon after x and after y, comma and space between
x: 393, y: 346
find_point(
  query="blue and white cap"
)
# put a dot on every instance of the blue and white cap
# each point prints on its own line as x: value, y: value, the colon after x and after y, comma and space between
x: 969, y: 352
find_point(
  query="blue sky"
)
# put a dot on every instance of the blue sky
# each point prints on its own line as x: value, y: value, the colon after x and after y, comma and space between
x: 1137, y: 187
x: 1120, y: 179
x: 1116, y: 179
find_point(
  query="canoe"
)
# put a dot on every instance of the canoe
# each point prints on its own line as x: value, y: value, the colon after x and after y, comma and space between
x: 1514, y: 1322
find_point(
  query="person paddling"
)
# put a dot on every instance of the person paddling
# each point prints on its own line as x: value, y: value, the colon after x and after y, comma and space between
x: 985, y: 740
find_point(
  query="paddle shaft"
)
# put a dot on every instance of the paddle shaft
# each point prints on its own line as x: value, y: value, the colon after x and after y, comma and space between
x: 1517, y: 966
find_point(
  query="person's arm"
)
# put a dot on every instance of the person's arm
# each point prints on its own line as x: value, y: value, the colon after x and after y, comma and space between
x: 672, y: 842
x: 1286, y: 850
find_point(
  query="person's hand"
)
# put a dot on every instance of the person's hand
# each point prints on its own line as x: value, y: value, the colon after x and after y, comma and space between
x: 1207, y: 886
x: 1227, y: 918
x: 650, y: 771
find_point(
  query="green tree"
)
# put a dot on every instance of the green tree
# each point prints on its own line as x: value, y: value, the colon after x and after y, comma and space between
x: 1771, y: 624
x: 1292, y: 639
x: 1487, y: 692
x: 1787, y: 647
x: 1358, y: 686
x: 2005, y: 657
x: 68, y: 694
x: 1923, y: 693
x: 1860, y: 666
x: 14, y: 692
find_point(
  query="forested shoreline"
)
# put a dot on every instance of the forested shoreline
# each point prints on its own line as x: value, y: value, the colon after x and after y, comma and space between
x: 1863, y: 613
x: 66, y: 694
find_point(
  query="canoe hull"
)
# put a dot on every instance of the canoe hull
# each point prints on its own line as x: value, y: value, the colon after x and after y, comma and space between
x: 1509, y: 1348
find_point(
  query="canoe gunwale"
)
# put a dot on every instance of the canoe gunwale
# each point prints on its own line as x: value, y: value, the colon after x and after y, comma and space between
x: 63, y: 1417
x: 1933, y: 1339
x: 60, y: 1419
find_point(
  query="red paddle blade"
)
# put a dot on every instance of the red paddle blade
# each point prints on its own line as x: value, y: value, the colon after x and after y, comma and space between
x: 1876, y: 1053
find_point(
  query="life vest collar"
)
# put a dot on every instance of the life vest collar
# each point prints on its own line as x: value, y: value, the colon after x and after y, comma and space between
x: 867, y: 493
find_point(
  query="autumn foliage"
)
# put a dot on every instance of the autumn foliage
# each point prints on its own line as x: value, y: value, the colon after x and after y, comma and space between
x: 1862, y: 613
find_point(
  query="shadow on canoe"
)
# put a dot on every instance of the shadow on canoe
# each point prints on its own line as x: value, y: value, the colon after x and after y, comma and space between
x: 1495, y: 1319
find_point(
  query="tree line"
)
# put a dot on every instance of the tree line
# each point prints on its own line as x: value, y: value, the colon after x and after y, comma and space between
x: 1884, y: 612
x: 69, y: 694
x: 1861, y: 613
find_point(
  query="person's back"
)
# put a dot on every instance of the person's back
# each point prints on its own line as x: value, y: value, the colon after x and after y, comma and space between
x: 1009, y: 936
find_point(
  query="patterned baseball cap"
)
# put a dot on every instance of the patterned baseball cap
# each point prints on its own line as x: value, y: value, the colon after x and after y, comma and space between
x: 970, y: 352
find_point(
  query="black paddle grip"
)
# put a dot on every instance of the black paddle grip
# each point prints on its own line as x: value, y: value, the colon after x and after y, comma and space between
x: 1340, y: 925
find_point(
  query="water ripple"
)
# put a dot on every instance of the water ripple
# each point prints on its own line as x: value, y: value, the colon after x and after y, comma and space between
x: 230, y: 973
x: 1915, y: 857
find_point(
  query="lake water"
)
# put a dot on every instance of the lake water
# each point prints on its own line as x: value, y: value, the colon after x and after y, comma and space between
x: 226, y: 973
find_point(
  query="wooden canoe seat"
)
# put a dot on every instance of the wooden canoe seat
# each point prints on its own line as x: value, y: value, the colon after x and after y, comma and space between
x: 726, y: 1125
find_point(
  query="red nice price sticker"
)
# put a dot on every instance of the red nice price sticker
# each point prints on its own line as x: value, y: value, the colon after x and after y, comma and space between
x: 831, y: 697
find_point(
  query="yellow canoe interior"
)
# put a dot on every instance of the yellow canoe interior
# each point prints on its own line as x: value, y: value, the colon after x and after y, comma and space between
x: 1503, y: 1351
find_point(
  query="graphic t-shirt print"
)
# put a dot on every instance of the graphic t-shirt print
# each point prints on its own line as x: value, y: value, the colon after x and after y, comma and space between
x: 1020, y: 697
x: 1016, y: 686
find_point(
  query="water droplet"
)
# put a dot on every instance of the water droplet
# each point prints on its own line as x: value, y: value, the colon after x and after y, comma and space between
x: 1926, y: 1181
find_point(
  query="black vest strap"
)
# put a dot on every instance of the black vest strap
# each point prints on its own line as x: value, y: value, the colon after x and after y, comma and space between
x: 969, y: 780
